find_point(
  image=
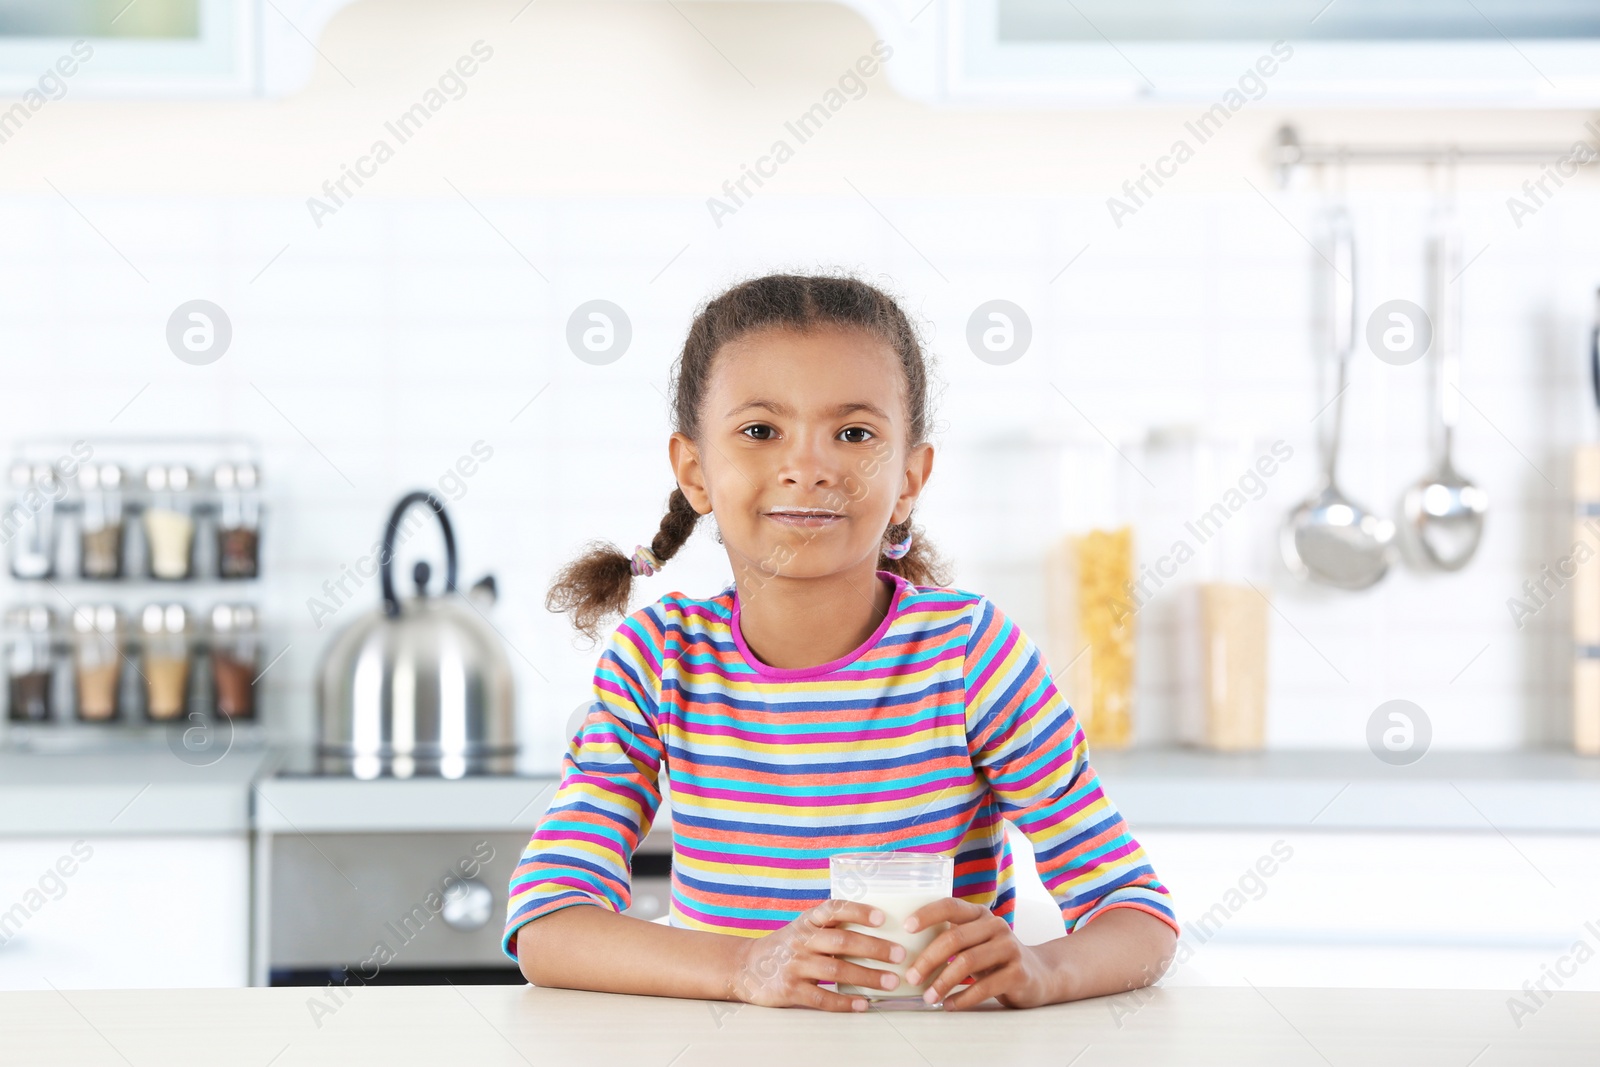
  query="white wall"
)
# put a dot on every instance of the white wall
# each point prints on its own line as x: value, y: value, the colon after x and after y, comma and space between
x: 421, y: 318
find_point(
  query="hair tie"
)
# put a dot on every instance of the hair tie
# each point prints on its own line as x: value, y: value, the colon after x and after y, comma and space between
x: 899, y: 549
x: 644, y: 561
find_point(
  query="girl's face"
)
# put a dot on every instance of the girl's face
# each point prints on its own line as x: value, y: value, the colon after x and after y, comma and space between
x: 803, y: 420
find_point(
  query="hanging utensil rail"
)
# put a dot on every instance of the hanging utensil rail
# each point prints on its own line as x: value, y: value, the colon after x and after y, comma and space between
x: 1289, y: 152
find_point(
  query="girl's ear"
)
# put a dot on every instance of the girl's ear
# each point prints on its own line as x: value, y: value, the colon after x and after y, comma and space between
x: 686, y: 466
x: 919, y: 468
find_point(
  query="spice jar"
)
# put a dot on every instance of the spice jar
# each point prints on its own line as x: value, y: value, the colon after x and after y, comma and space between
x: 102, y: 520
x: 98, y: 654
x: 30, y: 519
x: 30, y: 662
x: 166, y: 660
x: 169, y: 521
x: 238, y: 527
x: 235, y: 655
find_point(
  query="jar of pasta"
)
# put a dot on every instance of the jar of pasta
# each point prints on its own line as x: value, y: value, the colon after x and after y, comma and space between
x: 1091, y: 585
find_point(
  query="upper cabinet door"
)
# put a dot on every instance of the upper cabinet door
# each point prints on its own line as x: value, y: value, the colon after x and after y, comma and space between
x: 158, y: 48
x: 1005, y: 53
x: 1343, y: 53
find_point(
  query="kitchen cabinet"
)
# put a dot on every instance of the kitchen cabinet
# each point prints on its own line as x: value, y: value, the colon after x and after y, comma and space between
x: 97, y: 911
x: 158, y: 893
x: 1297, y: 906
x: 1227, y: 56
x: 1465, y: 870
x: 225, y: 48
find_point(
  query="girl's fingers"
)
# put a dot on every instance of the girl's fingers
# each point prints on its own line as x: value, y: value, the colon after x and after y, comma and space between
x: 837, y: 941
x: 833, y: 911
x: 950, y: 909
x: 972, y: 962
x: 833, y: 969
x: 978, y: 991
x: 948, y: 944
x: 814, y: 996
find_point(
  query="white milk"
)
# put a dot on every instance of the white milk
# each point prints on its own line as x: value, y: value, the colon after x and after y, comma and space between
x: 896, y: 908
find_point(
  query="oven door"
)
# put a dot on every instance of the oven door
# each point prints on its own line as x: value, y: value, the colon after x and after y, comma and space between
x: 403, y: 908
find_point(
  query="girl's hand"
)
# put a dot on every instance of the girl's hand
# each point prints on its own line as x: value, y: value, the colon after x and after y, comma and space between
x: 978, y: 945
x: 782, y: 969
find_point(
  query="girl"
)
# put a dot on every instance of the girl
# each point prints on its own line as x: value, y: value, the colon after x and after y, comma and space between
x: 836, y: 696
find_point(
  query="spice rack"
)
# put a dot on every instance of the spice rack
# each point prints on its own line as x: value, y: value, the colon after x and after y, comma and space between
x: 131, y: 567
x: 161, y: 511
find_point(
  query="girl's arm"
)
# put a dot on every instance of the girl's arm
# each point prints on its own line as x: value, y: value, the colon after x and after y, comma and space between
x: 1026, y: 743
x: 590, y: 947
x: 596, y: 948
x: 1122, y: 949
x: 579, y: 857
x: 593, y: 947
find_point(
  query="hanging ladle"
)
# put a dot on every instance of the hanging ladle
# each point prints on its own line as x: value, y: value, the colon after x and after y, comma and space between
x: 1444, y: 511
x: 1329, y: 538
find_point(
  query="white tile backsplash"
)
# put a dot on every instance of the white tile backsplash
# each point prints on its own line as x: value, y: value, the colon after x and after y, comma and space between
x: 380, y: 347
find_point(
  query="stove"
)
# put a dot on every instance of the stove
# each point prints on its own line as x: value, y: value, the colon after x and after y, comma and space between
x: 401, y: 880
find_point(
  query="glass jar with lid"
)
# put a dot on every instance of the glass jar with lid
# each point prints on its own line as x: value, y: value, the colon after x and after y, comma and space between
x: 235, y: 659
x: 1220, y: 654
x: 97, y: 659
x: 239, y: 519
x: 1093, y: 607
x: 30, y: 519
x: 30, y: 662
x: 169, y: 522
x: 101, y: 555
x: 165, y: 637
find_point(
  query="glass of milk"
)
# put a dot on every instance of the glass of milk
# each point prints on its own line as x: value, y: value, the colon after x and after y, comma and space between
x: 897, y: 883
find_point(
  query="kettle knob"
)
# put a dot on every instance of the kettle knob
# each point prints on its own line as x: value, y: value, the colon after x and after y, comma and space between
x: 420, y: 574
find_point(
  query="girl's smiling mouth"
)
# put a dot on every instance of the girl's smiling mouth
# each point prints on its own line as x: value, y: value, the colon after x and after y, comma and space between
x: 807, y: 518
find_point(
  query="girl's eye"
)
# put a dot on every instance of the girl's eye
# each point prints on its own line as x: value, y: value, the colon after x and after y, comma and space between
x: 763, y: 426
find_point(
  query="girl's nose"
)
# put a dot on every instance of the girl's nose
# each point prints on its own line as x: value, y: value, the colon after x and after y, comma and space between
x: 809, y: 461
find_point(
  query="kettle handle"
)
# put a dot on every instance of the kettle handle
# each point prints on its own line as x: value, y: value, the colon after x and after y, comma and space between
x: 391, y: 604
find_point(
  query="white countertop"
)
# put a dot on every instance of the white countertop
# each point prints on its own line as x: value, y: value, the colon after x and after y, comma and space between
x: 347, y: 805
x: 143, y: 789
x: 512, y: 1025
x: 1550, y: 791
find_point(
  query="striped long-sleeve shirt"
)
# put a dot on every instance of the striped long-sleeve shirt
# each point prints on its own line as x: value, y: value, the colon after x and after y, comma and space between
x: 942, y: 724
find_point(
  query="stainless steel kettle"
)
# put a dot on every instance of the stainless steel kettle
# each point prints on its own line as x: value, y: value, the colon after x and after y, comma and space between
x: 422, y: 687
